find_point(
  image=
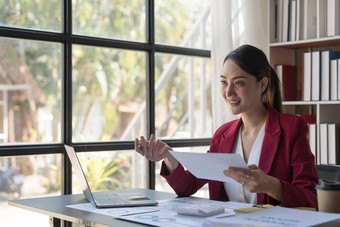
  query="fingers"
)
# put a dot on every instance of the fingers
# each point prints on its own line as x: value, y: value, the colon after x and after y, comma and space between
x: 152, y: 142
x: 144, y: 147
x: 154, y: 150
x: 147, y: 150
x: 241, y: 176
x: 138, y: 147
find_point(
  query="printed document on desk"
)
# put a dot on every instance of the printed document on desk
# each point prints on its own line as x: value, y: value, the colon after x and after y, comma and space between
x: 276, y: 216
x: 209, y: 165
x: 114, y: 212
x: 165, y: 217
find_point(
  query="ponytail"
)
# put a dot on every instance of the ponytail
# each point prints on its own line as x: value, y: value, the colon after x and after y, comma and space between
x: 272, y: 95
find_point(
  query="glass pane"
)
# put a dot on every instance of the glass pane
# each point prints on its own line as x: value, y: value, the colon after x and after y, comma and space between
x: 119, y: 19
x: 34, y: 14
x: 28, y: 177
x: 183, y: 97
x: 30, y: 91
x: 187, y: 24
x: 162, y: 185
x: 112, y: 170
x: 108, y: 94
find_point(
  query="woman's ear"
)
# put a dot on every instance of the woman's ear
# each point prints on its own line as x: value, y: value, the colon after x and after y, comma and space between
x: 263, y: 84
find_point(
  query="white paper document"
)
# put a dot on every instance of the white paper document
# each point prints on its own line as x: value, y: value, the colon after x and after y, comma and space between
x: 209, y: 165
x: 165, y: 217
x: 115, y: 212
x: 162, y: 214
x: 276, y: 216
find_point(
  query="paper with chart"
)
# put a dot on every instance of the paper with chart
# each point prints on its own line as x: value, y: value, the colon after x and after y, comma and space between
x: 161, y: 215
x: 167, y: 218
x: 209, y: 165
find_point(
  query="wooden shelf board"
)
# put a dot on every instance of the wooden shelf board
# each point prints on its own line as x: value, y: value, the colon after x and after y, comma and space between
x: 288, y: 103
x: 325, y: 41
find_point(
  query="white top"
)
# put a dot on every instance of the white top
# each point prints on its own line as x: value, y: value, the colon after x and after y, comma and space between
x: 235, y: 191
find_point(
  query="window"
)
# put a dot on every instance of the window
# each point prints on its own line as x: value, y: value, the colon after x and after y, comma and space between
x: 30, y: 91
x: 97, y: 74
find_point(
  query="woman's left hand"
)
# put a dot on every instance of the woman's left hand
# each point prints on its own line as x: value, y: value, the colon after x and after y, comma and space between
x: 256, y: 181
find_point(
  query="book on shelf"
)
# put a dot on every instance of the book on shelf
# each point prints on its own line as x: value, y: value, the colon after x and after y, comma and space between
x: 334, y: 80
x: 338, y: 79
x: 299, y: 19
x: 321, y: 18
x: 279, y: 13
x: 288, y: 77
x: 309, y: 19
x: 323, y: 148
x: 316, y: 75
x: 333, y: 18
x: 292, y: 20
x: 312, y: 138
x: 273, y: 22
x: 333, y: 143
x: 306, y: 76
x: 285, y: 20
x: 326, y: 57
x: 309, y: 118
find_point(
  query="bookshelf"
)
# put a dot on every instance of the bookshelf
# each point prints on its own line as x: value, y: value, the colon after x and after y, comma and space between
x: 290, y: 51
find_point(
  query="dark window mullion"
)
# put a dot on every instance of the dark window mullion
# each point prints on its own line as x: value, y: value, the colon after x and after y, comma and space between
x: 182, y: 50
x: 67, y: 94
x: 150, y: 83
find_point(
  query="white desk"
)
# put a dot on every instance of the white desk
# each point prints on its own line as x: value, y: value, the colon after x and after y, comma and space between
x: 55, y: 207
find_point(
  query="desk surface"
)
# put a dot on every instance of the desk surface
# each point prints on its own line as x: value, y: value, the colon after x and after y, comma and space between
x: 55, y: 206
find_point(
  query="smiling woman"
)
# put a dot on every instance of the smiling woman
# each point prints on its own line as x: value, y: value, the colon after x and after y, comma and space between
x: 274, y: 145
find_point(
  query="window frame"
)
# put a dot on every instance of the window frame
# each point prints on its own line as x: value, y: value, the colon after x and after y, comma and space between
x: 67, y: 39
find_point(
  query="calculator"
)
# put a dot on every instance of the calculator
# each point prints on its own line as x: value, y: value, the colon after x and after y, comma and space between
x: 198, y: 210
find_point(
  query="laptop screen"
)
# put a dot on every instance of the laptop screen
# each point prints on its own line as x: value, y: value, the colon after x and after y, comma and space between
x: 79, y: 172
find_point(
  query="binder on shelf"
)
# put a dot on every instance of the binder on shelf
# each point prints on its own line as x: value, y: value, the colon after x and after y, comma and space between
x: 321, y: 18
x: 285, y: 21
x: 334, y: 80
x: 333, y: 143
x: 279, y: 19
x: 273, y: 22
x: 316, y: 75
x: 326, y: 57
x: 323, y: 148
x: 299, y: 19
x: 288, y: 77
x: 306, y: 76
x: 333, y: 18
x: 312, y: 138
x: 292, y: 20
x: 338, y: 78
x: 309, y: 118
x: 309, y: 19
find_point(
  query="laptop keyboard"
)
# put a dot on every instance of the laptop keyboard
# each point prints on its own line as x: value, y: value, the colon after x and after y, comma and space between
x: 110, y: 199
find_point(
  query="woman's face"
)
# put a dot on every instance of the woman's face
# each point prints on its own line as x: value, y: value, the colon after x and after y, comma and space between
x: 239, y: 89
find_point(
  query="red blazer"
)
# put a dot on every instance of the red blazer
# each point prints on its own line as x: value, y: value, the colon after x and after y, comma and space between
x: 285, y: 155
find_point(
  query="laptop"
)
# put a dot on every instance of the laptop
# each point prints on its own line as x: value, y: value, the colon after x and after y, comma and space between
x: 106, y: 199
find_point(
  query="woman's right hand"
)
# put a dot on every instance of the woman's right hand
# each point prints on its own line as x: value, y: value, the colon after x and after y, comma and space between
x: 156, y: 151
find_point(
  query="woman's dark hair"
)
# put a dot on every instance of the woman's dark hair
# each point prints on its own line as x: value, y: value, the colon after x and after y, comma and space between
x: 253, y: 61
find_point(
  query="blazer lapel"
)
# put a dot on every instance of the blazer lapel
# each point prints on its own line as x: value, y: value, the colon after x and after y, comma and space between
x: 228, y: 138
x: 270, y: 141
